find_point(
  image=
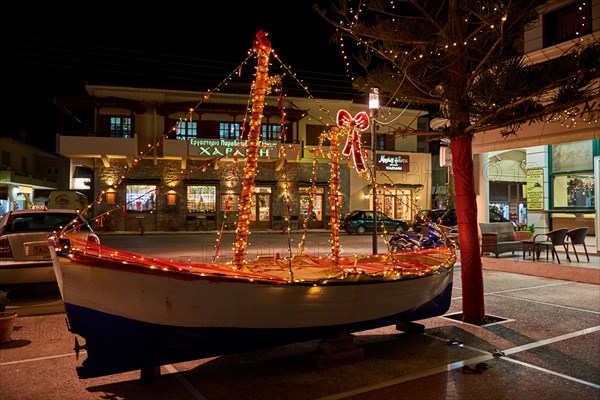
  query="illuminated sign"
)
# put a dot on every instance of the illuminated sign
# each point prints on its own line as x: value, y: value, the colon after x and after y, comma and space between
x: 398, y: 163
x: 230, y: 148
x: 535, y: 189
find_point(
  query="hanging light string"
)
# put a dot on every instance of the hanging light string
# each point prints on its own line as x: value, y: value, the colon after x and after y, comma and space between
x: 237, y: 72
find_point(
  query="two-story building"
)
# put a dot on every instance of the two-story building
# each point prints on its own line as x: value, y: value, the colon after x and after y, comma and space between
x: 172, y: 159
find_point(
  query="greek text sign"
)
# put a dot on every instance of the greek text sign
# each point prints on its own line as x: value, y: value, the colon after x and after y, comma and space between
x: 535, y: 189
x: 230, y: 148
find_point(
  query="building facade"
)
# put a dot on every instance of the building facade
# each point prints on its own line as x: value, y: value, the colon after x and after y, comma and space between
x: 173, y: 160
x: 546, y: 174
x: 28, y: 174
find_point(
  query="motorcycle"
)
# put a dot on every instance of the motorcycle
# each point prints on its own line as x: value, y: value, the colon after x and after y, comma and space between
x: 402, y: 240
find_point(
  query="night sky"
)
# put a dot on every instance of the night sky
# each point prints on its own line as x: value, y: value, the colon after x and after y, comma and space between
x: 48, y: 52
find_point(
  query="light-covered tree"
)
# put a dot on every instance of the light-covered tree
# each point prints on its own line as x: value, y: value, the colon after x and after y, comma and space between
x: 464, y: 59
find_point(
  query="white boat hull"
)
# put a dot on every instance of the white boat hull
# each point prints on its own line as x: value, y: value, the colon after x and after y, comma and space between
x: 134, y: 320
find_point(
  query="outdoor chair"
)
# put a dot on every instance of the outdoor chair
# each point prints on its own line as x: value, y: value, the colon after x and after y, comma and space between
x: 577, y: 236
x: 552, y: 239
x: 211, y: 221
x: 191, y: 220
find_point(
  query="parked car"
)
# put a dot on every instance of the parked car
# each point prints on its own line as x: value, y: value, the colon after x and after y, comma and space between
x: 447, y: 217
x: 361, y: 222
x: 496, y: 216
x: 440, y: 216
x: 24, y: 253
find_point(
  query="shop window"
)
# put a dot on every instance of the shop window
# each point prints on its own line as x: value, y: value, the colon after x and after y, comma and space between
x: 572, y: 175
x: 575, y: 191
x: 201, y: 198
x: 306, y: 198
x: 573, y: 156
x: 140, y: 198
x: 404, y: 205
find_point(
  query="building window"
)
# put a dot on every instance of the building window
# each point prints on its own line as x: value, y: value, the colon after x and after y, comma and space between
x: 187, y: 130
x: 120, y: 127
x: 140, y: 198
x: 82, y: 178
x: 24, y: 166
x: 575, y: 191
x: 201, y: 198
x: 229, y: 130
x: 572, y: 174
x: 566, y: 23
x: 270, y: 132
x: 5, y: 159
x: 313, y: 134
x: 380, y: 142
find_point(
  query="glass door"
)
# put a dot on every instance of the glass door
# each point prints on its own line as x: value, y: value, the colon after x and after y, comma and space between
x: 261, y: 208
x: 315, y: 216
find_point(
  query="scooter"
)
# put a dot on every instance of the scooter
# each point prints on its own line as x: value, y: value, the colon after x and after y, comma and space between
x: 402, y: 240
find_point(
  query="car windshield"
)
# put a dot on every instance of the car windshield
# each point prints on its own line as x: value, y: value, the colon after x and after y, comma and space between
x: 381, y: 216
x: 43, y: 222
x: 352, y: 214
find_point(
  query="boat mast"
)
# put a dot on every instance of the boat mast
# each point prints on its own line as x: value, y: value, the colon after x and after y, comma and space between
x: 263, y: 48
x: 334, y: 200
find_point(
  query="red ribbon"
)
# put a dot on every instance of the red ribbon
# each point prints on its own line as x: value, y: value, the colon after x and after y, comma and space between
x: 360, y: 122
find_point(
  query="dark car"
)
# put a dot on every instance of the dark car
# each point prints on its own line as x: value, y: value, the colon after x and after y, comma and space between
x: 447, y: 217
x: 496, y: 216
x: 361, y: 222
x: 440, y: 216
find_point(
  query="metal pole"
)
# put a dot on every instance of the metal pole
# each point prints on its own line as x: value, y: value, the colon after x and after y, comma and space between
x: 374, y: 175
x: 373, y: 107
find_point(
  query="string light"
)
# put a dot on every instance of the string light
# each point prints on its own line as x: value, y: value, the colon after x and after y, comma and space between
x: 262, y: 86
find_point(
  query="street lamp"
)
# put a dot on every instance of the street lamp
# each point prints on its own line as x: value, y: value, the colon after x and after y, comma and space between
x: 373, y: 107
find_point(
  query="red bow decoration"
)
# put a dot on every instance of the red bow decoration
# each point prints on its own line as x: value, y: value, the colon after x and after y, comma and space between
x: 262, y: 40
x: 360, y: 122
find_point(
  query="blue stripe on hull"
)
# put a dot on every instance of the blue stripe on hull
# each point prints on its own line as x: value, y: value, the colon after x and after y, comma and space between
x: 115, y: 344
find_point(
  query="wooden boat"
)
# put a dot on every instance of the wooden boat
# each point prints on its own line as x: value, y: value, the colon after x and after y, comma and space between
x: 136, y: 312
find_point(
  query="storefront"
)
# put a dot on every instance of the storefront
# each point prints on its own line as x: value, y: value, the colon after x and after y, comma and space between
x: 546, y: 186
x: 572, y: 201
x: 403, y: 185
x: 15, y: 194
x: 208, y: 198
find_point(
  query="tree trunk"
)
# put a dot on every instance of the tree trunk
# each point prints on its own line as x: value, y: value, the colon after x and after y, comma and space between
x: 473, y: 308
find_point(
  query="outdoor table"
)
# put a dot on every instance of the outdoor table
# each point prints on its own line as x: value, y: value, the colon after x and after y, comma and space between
x: 529, y: 246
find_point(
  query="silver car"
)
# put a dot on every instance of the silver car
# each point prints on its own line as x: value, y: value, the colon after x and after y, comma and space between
x: 24, y: 253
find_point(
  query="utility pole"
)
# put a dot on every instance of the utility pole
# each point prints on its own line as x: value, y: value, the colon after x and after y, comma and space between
x: 373, y: 107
